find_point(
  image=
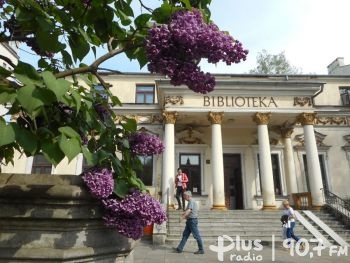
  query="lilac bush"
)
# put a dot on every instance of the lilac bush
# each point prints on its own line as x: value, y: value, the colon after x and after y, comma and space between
x: 145, y: 144
x: 175, y: 50
x: 99, y: 181
x: 130, y: 215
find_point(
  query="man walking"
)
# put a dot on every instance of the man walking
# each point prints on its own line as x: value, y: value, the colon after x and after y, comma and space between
x: 191, y: 216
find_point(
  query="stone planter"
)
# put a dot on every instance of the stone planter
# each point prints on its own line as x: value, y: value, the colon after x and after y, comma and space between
x: 52, y: 218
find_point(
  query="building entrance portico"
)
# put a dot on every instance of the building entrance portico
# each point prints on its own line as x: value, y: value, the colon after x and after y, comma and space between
x: 257, y: 178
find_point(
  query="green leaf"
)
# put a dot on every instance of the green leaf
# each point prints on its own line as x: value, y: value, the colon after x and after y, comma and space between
x: 80, y: 48
x: 52, y: 152
x: 70, y: 146
x: 57, y: 86
x: 7, y: 133
x: 28, y: 70
x: 90, y: 157
x: 121, y: 187
x: 123, y: 18
x: 26, y: 139
x: 115, y: 101
x: 42, y: 63
x: 187, y: 3
x: 44, y: 23
x: 6, y: 96
x: 31, y: 97
x: 68, y: 131
x: 77, y: 99
x: 142, y: 19
x: 130, y: 125
x: 4, y: 72
x: 125, y: 7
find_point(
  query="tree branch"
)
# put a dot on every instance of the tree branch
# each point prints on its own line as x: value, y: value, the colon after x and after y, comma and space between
x: 93, y: 67
x: 101, y: 80
x: 9, y: 61
x: 146, y: 7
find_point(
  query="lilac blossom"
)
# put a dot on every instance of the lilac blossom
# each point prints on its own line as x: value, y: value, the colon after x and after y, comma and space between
x: 130, y: 215
x: 176, y: 49
x: 145, y: 144
x: 99, y: 181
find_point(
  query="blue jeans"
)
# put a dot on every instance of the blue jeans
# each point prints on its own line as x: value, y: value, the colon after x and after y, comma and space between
x: 290, y: 232
x: 191, y: 227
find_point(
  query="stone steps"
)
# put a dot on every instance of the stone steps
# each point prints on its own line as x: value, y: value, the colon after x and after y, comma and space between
x: 247, y: 224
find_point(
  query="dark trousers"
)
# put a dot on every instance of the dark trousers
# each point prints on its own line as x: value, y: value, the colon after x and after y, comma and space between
x: 180, y: 191
x: 191, y: 227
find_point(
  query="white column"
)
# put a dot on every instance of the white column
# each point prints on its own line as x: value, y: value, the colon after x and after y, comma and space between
x: 217, y: 161
x: 267, y: 185
x: 313, y: 163
x: 289, y: 164
x: 168, y: 158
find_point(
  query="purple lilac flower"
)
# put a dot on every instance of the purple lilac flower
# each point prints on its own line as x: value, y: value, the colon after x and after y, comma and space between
x: 86, y: 3
x: 175, y: 50
x: 2, y: 2
x: 99, y: 181
x: 130, y: 215
x: 145, y: 144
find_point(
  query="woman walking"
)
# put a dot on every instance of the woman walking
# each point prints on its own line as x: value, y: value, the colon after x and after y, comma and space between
x: 180, y: 184
x: 289, y: 211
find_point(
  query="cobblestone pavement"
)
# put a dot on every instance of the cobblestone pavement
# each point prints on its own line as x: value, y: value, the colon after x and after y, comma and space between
x: 146, y: 252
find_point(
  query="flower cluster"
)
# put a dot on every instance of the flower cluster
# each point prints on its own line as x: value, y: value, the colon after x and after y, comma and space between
x: 131, y: 214
x: 176, y: 49
x: 99, y: 181
x: 145, y: 144
x: 2, y: 2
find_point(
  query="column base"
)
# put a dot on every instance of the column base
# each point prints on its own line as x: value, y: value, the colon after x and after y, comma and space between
x: 269, y: 207
x: 219, y: 207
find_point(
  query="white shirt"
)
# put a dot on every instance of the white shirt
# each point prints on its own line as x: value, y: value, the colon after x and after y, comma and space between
x: 179, y: 180
x: 289, y: 212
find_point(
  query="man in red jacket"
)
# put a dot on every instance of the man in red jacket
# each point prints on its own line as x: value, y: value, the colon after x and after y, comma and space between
x: 180, y: 184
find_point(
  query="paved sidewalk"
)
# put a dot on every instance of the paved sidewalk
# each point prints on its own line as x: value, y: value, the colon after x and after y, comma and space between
x: 146, y: 252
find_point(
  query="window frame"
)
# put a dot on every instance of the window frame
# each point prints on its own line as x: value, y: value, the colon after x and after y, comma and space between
x: 152, y: 173
x: 344, y: 92
x: 145, y: 93
x: 33, y: 165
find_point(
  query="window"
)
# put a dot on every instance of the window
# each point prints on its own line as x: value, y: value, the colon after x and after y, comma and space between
x: 146, y: 174
x: 41, y: 165
x: 276, y: 172
x: 345, y: 95
x: 145, y: 94
x: 321, y: 158
x: 100, y: 92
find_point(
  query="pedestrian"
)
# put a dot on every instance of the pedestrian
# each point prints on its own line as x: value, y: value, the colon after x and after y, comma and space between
x: 289, y: 211
x: 181, y: 180
x: 191, y: 216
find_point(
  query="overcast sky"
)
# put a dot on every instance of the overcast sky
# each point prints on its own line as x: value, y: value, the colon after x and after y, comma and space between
x: 311, y: 32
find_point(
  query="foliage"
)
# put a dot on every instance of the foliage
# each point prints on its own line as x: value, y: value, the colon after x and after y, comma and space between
x: 273, y: 64
x: 57, y: 112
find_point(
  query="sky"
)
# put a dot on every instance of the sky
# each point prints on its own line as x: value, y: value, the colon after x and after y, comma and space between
x: 312, y: 33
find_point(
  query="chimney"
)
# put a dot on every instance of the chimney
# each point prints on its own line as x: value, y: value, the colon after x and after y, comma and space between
x: 338, y: 62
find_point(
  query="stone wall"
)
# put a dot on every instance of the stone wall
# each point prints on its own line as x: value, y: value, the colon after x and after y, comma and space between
x: 52, y: 218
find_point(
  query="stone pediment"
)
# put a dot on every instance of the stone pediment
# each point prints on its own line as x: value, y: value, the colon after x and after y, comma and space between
x: 318, y: 136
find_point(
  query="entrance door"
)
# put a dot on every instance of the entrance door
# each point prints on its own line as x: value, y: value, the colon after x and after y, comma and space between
x: 190, y: 163
x: 233, y: 181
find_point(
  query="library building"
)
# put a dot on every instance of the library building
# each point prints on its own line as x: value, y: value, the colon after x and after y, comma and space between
x: 253, y: 142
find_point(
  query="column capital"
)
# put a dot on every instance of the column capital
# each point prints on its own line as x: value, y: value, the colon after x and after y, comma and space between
x: 306, y: 118
x: 262, y: 118
x: 286, y: 132
x: 170, y: 117
x: 215, y: 117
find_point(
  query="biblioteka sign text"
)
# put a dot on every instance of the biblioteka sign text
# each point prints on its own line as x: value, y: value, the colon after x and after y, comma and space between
x: 230, y: 101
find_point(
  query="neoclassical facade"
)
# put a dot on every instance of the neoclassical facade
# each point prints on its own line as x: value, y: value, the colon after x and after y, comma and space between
x: 249, y: 144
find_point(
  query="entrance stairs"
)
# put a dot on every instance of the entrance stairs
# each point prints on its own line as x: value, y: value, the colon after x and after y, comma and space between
x: 248, y: 224
x: 253, y: 225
